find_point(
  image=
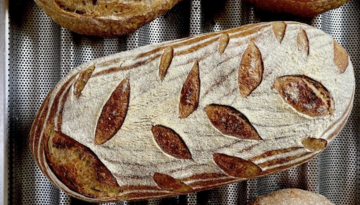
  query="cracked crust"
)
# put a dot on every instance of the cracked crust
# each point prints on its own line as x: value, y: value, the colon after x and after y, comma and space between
x: 102, y: 18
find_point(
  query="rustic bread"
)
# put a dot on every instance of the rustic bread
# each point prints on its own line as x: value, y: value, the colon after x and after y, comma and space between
x: 104, y: 18
x: 193, y: 114
x: 303, y: 8
x: 291, y: 197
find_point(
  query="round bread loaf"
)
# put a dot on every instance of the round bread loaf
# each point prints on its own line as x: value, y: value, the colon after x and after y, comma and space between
x: 304, y: 8
x: 194, y: 114
x: 104, y: 18
x: 291, y: 197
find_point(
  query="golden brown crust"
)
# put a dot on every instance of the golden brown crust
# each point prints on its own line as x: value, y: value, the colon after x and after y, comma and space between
x: 170, y: 142
x: 314, y: 144
x: 169, y: 183
x: 237, y: 167
x: 80, y: 83
x: 214, y: 182
x: 231, y: 122
x: 189, y: 97
x: 165, y: 61
x: 275, y: 152
x: 113, y: 113
x: 78, y: 167
x: 99, y: 18
x: 303, y: 42
x: 223, y: 42
x: 250, y: 70
x: 341, y: 58
x: 303, y: 8
x: 49, y: 116
x: 305, y: 95
x: 279, y: 29
x: 203, y: 176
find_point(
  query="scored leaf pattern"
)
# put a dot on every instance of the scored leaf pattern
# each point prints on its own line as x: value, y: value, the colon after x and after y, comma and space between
x: 229, y: 121
x: 189, y: 98
x: 113, y: 113
x: 78, y: 167
x: 303, y: 42
x: 165, y: 61
x: 314, y: 144
x: 223, y: 42
x: 170, y: 142
x: 341, y: 58
x: 236, y: 167
x: 169, y: 183
x: 279, y: 29
x: 250, y: 70
x: 305, y: 95
x: 83, y: 78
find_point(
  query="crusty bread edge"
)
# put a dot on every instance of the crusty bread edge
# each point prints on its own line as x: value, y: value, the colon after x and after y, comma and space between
x: 92, y: 26
x: 304, y: 8
x: 47, y: 171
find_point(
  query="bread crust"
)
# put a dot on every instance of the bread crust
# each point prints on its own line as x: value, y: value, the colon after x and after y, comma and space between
x: 104, y: 19
x: 154, y: 155
x: 303, y: 8
x: 291, y: 197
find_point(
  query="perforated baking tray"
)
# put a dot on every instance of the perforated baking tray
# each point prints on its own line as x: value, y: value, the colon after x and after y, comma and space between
x: 39, y: 53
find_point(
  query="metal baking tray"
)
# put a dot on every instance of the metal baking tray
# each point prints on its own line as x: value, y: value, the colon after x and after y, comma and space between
x: 36, y: 53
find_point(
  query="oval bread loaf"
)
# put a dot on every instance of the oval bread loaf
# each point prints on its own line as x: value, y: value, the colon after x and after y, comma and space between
x: 104, y: 18
x: 193, y: 114
x: 303, y: 8
x: 291, y: 197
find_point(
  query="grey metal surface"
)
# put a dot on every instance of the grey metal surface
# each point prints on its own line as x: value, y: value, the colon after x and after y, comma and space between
x: 41, y: 52
x: 3, y: 101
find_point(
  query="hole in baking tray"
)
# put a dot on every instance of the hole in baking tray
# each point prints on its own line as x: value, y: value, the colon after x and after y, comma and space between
x: 94, y: 2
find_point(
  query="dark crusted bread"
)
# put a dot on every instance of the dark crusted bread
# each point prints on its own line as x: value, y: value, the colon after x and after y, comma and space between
x: 102, y: 17
x: 304, y: 8
x: 193, y: 114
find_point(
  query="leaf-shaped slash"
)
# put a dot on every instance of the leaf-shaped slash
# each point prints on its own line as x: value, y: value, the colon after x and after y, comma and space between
x: 189, y: 98
x: 236, y: 167
x: 165, y: 61
x: 250, y: 70
x: 314, y: 144
x: 229, y: 121
x: 113, y: 113
x: 279, y: 28
x: 341, y: 58
x: 170, y: 142
x: 83, y: 78
x: 303, y: 42
x: 78, y: 167
x: 169, y: 183
x: 223, y: 42
x: 305, y: 95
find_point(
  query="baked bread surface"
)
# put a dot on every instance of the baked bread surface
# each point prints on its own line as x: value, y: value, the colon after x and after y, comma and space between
x: 291, y: 197
x: 303, y: 8
x: 104, y: 18
x: 193, y: 114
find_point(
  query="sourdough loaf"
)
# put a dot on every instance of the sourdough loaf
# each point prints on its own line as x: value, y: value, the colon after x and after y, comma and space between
x: 304, y: 8
x: 193, y: 114
x: 102, y: 17
x: 291, y: 197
